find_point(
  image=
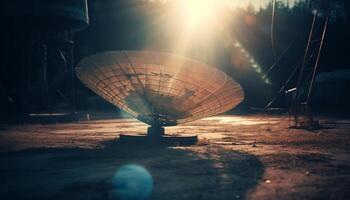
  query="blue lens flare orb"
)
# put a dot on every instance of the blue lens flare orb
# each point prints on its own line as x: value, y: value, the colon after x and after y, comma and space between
x: 132, y: 182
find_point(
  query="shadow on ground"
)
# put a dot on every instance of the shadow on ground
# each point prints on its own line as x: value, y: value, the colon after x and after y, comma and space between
x: 198, y: 172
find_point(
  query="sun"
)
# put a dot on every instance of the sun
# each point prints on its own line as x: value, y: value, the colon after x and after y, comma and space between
x: 199, y: 12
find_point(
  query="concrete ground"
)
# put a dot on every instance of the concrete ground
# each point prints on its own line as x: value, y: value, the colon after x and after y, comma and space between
x: 237, y: 157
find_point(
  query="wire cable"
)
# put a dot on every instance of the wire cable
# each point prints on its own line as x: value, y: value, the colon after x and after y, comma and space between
x: 305, y: 56
x: 272, y: 30
x: 283, y: 86
x: 319, y: 54
x: 278, y: 59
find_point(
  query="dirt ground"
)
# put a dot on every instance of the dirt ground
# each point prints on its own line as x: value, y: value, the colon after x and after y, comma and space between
x: 237, y: 157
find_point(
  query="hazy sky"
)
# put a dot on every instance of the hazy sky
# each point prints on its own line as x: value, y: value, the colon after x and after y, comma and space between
x: 258, y: 3
x: 244, y: 3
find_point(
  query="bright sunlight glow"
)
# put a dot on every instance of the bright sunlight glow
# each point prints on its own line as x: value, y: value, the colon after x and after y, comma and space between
x: 199, y: 11
x: 198, y: 20
x: 201, y: 23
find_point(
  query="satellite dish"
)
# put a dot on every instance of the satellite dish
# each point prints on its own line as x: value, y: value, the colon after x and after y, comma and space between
x: 159, y: 89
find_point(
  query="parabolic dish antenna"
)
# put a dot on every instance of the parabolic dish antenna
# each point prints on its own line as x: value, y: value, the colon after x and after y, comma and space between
x: 159, y: 89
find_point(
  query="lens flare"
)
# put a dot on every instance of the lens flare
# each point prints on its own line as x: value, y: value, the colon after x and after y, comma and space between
x: 240, y: 61
x: 132, y: 182
x: 199, y: 11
